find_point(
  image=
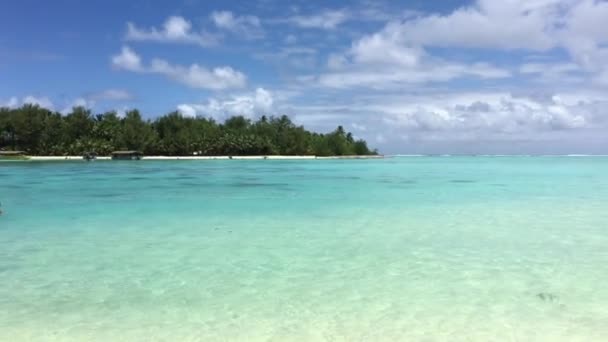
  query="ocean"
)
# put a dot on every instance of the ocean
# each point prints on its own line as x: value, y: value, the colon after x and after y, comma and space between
x: 397, y: 249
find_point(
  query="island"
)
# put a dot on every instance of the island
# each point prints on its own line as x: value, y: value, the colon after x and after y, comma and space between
x: 38, y: 131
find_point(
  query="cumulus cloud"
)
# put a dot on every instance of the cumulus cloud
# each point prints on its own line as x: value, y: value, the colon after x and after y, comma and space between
x: 493, y: 122
x: 194, y: 76
x: 248, y: 26
x: 399, y: 53
x: 78, y: 102
x: 490, y: 113
x: 248, y: 105
x: 383, y: 60
x: 44, y: 102
x: 495, y: 114
x: 385, y: 78
x: 127, y: 60
x: 359, y: 127
x: 456, y: 122
x: 386, y: 48
x: 10, y: 103
x: 88, y: 101
x: 585, y: 39
x: 197, y: 76
x: 512, y: 24
x: 176, y: 29
x: 548, y: 68
x: 537, y: 25
x: 564, y: 73
x: 328, y: 19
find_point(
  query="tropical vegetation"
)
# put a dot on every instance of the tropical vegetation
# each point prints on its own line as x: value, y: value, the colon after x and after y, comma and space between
x: 39, y: 131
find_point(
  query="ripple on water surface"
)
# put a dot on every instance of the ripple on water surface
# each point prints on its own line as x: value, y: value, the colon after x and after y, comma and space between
x: 306, y: 251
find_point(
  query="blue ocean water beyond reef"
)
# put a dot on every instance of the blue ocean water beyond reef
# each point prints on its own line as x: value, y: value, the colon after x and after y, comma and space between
x: 408, y: 249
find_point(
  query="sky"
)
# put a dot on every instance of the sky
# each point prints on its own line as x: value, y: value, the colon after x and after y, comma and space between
x: 411, y: 77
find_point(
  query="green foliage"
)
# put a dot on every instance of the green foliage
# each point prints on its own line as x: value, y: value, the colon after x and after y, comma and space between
x: 39, y: 131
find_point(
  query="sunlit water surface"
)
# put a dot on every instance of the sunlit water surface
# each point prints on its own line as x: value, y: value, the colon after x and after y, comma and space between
x: 401, y: 249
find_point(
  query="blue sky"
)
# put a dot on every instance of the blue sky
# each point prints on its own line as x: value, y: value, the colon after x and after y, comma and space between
x: 483, y: 76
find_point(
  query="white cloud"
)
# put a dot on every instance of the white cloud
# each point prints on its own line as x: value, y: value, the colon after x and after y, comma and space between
x: 548, y: 68
x: 248, y: 105
x: 359, y: 127
x: 328, y: 19
x: 386, y: 47
x: 188, y: 110
x: 511, y: 24
x: 584, y: 37
x: 176, y: 29
x: 440, y: 122
x: 380, y: 138
x: 248, y: 26
x: 81, y: 102
x: 336, y: 61
x: 602, y: 78
x: 13, y: 102
x: 385, y: 59
x: 78, y: 102
x: 66, y: 106
x: 194, y: 76
x: 44, y: 102
x: 564, y: 73
x: 127, y: 60
x: 398, y: 54
x: 492, y: 113
x: 383, y: 64
x: 538, y: 25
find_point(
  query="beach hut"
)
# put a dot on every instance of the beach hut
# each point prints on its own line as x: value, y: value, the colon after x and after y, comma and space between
x: 13, y: 155
x: 127, y: 155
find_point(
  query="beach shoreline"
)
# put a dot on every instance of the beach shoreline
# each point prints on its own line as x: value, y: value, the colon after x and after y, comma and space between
x: 276, y: 157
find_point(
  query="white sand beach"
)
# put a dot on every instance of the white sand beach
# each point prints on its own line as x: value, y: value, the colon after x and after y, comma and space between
x: 73, y: 158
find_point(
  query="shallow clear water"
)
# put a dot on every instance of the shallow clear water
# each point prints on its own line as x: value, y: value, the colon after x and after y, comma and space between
x: 409, y: 249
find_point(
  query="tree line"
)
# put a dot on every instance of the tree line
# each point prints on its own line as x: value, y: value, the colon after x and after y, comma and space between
x: 39, y: 131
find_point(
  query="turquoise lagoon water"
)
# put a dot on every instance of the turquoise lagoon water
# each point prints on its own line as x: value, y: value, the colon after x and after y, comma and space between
x: 401, y: 249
